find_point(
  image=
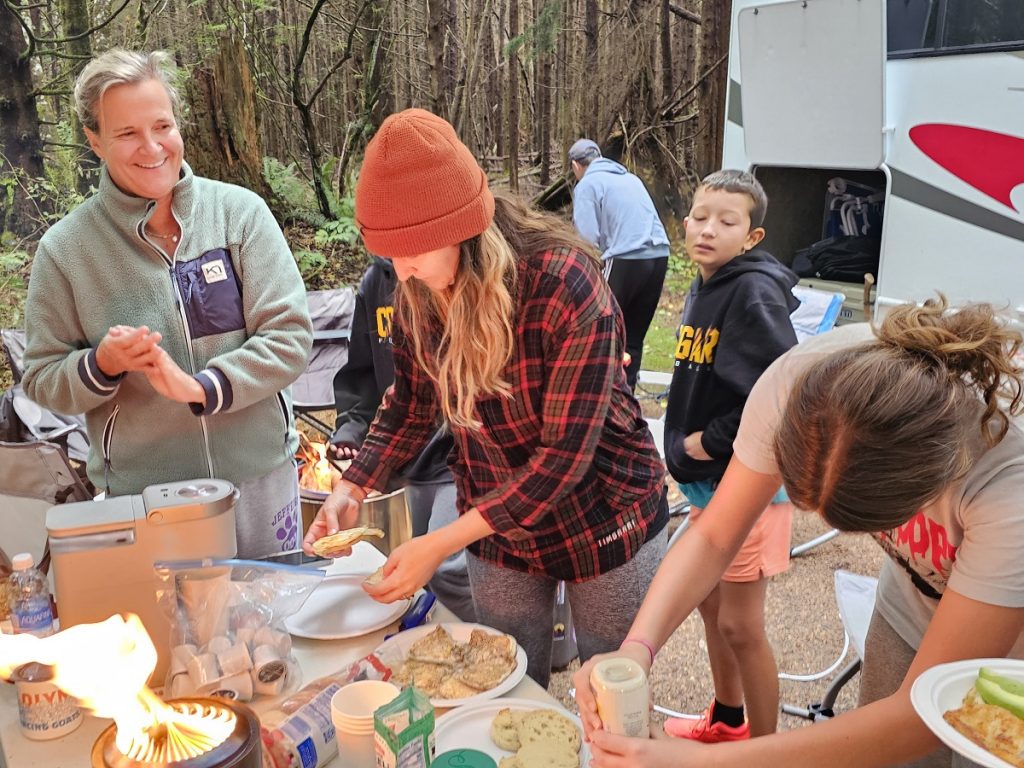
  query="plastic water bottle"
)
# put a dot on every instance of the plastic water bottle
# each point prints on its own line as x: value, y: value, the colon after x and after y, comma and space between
x: 29, y: 598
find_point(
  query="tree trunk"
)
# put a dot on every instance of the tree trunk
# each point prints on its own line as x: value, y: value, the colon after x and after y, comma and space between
x: 513, y: 99
x: 221, y: 137
x: 591, y: 105
x: 714, y: 33
x: 20, y: 143
x: 75, y: 17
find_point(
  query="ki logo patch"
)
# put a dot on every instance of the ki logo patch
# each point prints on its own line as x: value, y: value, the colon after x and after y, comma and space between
x: 214, y: 271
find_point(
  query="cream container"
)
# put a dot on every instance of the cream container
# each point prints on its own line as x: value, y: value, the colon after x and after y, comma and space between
x: 623, y: 698
x: 45, y: 711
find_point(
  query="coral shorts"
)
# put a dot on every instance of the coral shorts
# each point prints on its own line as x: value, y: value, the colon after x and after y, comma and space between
x: 765, y: 552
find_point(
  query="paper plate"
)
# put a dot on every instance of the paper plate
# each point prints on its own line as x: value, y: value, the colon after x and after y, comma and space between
x: 942, y: 688
x: 339, y: 608
x: 469, y: 727
x: 398, y: 648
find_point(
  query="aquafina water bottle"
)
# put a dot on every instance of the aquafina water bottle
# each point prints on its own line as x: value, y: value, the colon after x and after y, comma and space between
x: 29, y: 598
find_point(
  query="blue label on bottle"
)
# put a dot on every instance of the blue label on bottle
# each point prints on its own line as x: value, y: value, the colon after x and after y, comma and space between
x: 32, y: 616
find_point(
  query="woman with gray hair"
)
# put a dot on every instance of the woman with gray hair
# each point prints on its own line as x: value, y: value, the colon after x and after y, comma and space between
x: 169, y: 310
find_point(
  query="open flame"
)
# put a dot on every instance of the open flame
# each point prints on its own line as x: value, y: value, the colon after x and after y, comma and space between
x: 317, y: 474
x: 105, y: 666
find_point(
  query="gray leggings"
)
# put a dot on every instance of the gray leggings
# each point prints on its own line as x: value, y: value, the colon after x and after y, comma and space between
x: 603, y: 609
x: 887, y: 658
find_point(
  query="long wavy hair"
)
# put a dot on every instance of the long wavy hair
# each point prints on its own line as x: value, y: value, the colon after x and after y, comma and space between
x: 873, y: 433
x: 464, y: 338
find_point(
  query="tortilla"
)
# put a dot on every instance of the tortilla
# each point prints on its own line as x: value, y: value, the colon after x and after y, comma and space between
x: 328, y: 546
x: 375, y: 578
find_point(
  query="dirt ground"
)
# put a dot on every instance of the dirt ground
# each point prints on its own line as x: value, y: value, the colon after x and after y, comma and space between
x: 803, y: 626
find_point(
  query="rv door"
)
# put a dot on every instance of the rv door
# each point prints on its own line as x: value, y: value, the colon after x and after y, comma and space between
x: 813, y: 83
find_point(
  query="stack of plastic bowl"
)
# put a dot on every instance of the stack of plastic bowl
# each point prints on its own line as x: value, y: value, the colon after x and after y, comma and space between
x: 352, y: 710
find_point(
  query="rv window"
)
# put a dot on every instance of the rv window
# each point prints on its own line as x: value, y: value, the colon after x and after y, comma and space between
x: 938, y: 27
x: 983, y: 22
x: 911, y: 24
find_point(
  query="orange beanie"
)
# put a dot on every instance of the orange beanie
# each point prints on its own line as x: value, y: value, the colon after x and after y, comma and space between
x: 420, y: 188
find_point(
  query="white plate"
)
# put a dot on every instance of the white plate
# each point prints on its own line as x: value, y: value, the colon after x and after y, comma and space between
x: 942, y: 688
x: 398, y: 647
x: 470, y: 727
x: 339, y: 608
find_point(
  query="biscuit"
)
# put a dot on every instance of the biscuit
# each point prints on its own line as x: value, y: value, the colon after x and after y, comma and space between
x: 509, y: 762
x: 550, y: 726
x: 504, y: 731
x: 546, y: 754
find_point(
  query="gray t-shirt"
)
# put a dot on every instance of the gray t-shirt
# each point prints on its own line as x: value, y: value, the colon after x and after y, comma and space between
x: 971, y: 538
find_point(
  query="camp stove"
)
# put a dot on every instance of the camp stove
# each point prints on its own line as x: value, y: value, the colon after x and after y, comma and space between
x: 186, y: 733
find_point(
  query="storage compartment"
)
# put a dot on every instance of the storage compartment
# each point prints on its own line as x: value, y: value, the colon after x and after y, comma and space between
x: 802, y: 212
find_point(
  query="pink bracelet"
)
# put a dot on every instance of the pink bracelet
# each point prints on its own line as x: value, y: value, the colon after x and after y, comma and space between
x: 644, y: 643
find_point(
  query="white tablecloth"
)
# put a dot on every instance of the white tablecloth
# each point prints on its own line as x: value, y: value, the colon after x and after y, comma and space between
x: 316, y: 658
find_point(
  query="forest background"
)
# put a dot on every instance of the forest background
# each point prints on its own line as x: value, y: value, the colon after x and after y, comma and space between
x: 282, y: 96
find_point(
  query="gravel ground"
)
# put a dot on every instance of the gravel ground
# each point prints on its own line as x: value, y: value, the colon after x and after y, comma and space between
x: 803, y: 625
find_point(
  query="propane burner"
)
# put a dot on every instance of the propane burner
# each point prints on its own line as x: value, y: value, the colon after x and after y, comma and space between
x: 198, y: 733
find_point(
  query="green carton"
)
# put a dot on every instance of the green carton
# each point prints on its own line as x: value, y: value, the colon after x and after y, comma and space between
x: 404, y: 731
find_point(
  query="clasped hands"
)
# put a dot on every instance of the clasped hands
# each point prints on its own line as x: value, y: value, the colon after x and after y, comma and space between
x: 125, y: 349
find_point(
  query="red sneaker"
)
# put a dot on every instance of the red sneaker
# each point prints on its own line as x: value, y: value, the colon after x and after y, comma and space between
x: 704, y: 730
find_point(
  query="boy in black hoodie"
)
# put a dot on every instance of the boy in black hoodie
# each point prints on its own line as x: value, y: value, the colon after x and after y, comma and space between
x: 735, y: 323
x: 359, y: 388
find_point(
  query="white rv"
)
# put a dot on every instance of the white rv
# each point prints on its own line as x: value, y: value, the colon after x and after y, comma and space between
x: 922, y: 100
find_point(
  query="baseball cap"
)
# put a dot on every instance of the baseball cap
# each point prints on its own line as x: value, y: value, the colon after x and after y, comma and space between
x: 582, y: 147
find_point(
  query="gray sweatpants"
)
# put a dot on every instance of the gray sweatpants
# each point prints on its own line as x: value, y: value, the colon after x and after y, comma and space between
x: 887, y: 657
x: 603, y: 609
x: 267, y: 516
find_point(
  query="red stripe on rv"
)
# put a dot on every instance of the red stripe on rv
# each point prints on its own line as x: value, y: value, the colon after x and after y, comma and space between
x: 990, y: 162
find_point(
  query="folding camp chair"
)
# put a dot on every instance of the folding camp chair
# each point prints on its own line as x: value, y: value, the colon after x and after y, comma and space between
x: 855, y: 595
x: 331, y: 312
x: 34, y: 476
x: 22, y: 420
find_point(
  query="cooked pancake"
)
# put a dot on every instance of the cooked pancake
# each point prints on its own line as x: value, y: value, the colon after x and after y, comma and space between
x: 375, y: 578
x: 453, y: 688
x: 484, y: 675
x: 484, y: 647
x: 990, y: 727
x: 328, y: 546
x: 422, y: 675
x: 438, y: 647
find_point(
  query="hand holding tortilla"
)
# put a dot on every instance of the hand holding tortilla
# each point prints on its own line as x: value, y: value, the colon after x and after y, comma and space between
x: 338, y: 513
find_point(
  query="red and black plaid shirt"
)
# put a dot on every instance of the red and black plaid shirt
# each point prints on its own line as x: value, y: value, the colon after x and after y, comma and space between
x: 565, y: 471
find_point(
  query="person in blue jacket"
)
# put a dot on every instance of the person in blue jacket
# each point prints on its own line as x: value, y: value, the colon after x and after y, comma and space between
x: 613, y: 210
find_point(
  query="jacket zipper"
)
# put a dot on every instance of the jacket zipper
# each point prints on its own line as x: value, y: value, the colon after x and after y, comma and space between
x: 284, y: 415
x: 179, y: 305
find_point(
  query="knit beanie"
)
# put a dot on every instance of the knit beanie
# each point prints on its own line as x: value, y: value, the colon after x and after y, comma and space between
x: 420, y: 188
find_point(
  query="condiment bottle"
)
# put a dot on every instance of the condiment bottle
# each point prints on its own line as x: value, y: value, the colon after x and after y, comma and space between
x: 623, y: 698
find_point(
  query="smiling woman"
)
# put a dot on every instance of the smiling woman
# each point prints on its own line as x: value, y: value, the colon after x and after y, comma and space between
x: 185, y: 307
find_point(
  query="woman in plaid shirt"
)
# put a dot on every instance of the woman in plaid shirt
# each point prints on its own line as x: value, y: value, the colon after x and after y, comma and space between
x: 505, y: 330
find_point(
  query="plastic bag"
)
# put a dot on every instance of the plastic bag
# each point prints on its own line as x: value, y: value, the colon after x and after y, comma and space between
x: 299, y: 732
x: 228, y: 636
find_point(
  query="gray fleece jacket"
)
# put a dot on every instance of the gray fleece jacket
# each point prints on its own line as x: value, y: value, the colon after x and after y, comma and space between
x: 231, y: 308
